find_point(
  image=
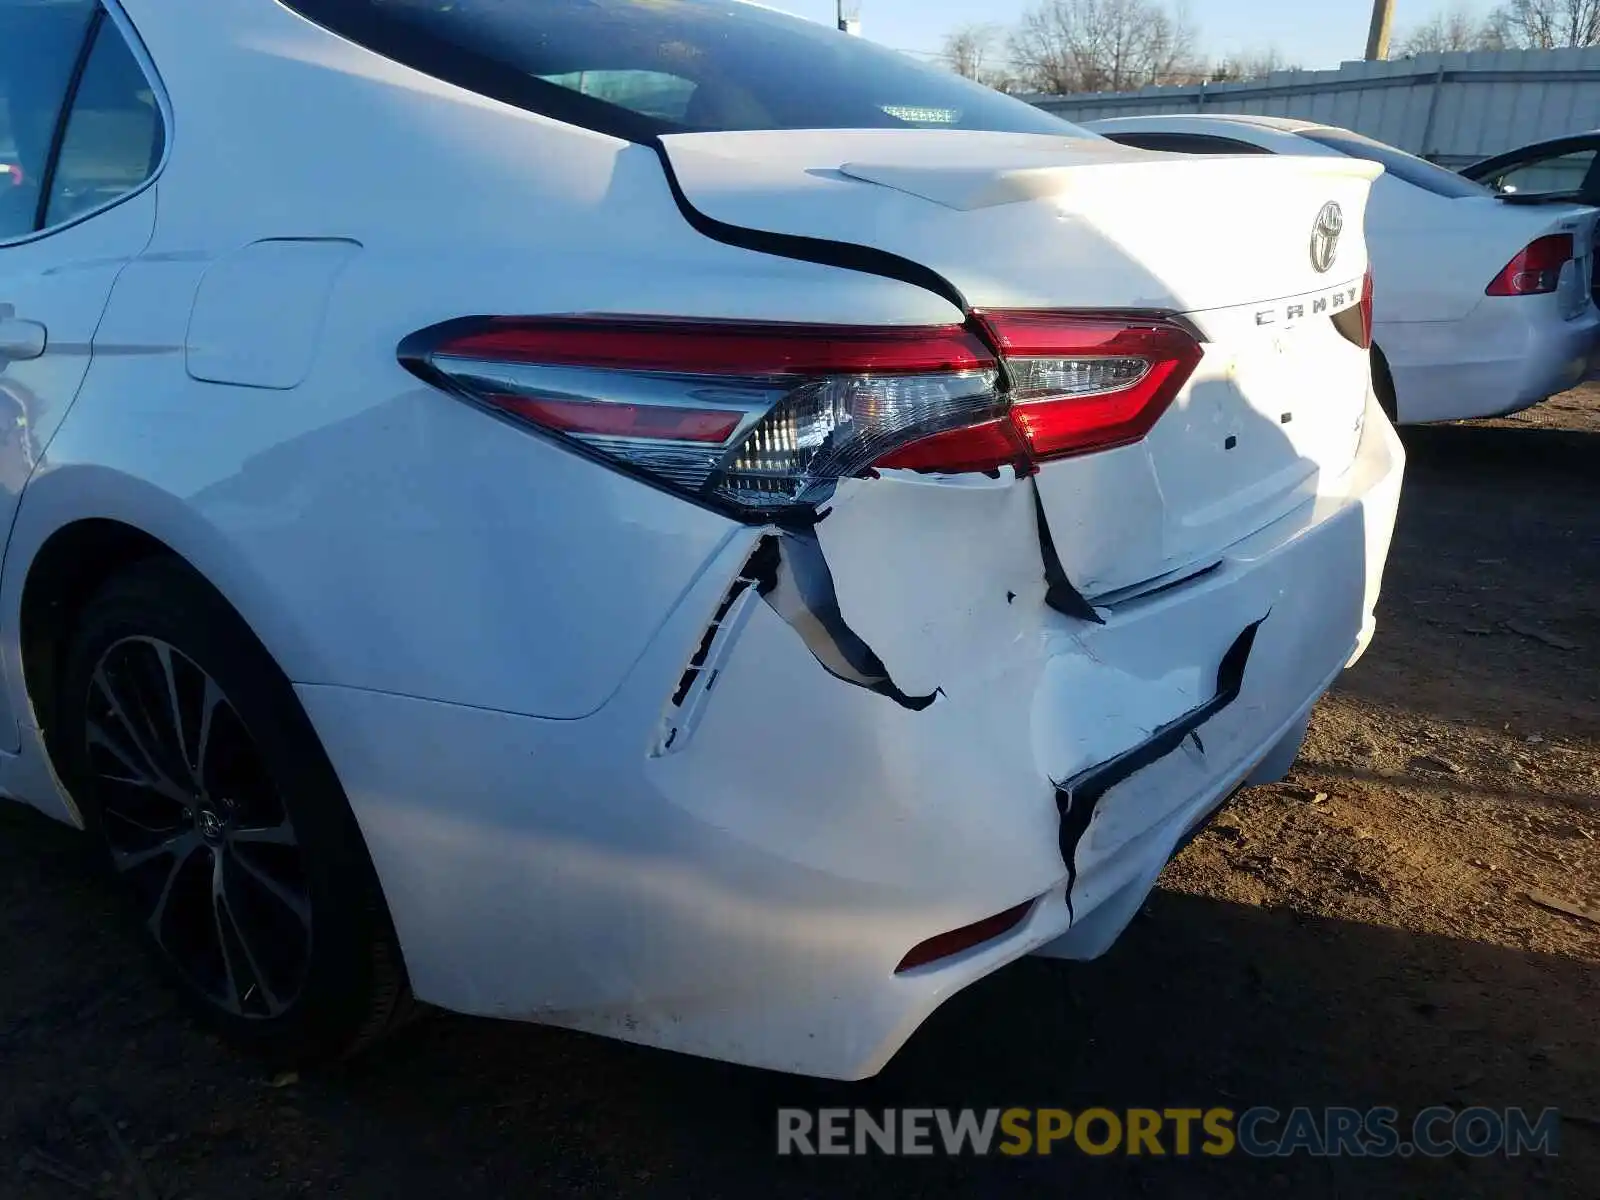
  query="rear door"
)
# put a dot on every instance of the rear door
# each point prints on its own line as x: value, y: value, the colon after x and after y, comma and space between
x: 82, y: 121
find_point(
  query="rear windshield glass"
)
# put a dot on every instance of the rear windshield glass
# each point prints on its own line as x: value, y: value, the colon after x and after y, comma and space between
x: 1418, y: 172
x: 637, y: 68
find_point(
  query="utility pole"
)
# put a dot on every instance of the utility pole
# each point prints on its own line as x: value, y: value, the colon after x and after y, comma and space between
x: 850, y: 17
x: 1378, y: 33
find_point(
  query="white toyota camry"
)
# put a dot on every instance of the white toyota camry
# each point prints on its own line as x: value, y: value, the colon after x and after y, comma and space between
x: 647, y: 515
x: 1483, y: 301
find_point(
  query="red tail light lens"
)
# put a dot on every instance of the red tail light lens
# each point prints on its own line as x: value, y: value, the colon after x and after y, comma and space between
x: 1355, y: 323
x: 1366, y: 311
x: 1090, y: 383
x: 1078, y: 383
x: 1536, y: 270
x: 764, y: 417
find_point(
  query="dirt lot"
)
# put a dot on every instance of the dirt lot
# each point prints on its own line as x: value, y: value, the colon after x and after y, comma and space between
x: 1361, y: 935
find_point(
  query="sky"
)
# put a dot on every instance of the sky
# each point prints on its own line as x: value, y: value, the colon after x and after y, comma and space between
x: 1309, y: 35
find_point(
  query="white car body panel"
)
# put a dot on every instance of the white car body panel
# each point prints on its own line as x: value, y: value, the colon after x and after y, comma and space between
x: 57, y: 286
x: 1454, y: 352
x: 486, y: 629
x: 1028, y: 221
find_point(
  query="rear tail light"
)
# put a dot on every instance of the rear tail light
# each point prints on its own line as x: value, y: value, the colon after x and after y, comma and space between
x: 1536, y: 270
x: 1366, y: 311
x: 1356, y: 323
x: 762, y: 418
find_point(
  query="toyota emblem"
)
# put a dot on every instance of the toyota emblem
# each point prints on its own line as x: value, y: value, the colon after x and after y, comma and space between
x: 1325, y: 233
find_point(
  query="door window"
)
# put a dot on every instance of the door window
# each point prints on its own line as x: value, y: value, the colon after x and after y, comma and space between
x: 1557, y: 173
x: 113, y: 137
x: 40, y: 43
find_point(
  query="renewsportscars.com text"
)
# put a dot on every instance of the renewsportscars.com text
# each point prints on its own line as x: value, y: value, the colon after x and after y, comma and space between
x: 1259, y: 1132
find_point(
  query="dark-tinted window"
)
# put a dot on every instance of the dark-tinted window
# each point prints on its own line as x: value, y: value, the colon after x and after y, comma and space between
x: 1185, y: 143
x: 1418, y: 172
x: 40, y: 41
x: 636, y: 68
x: 1541, y: 176
x: 112, y: 141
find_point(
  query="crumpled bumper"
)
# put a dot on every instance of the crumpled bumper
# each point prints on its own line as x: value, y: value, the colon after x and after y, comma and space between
x: 732, y: 856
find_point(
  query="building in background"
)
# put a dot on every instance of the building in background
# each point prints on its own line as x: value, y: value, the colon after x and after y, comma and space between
x: 1454, y: 109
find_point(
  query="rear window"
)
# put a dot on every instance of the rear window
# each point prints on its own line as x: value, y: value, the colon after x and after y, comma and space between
x: 1185, y: 143
x: 639, y: 68
x: 1418, y: 172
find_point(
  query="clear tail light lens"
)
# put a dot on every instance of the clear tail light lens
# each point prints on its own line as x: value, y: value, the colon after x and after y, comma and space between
x: 762, y: 418
x: 1536, y: 270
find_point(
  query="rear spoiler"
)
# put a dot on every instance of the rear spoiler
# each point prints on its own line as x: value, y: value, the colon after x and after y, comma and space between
x: 1538, y: 197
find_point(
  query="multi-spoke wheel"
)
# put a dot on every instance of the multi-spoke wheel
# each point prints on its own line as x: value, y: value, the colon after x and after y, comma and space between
x: 188, y: 752
x: 193, y: 821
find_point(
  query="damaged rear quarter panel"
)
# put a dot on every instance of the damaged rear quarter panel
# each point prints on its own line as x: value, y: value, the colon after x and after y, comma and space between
x: 941, y: 578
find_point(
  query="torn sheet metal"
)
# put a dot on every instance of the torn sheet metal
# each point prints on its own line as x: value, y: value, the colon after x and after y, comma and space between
x: 794, y: 578
x: 1060, y: 593
x: 942, y: 578
x: 1078, y: 797
x: 937, y: 594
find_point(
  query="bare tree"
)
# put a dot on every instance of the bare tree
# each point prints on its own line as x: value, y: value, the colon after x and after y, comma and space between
x: 1104, y: 45
x: 1449, y: 30
x: 973, y: 51
x: 1547, y: 24
x: 1251, y: 64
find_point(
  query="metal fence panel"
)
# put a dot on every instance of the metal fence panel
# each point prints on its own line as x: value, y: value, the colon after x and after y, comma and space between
x: 1453, y: 108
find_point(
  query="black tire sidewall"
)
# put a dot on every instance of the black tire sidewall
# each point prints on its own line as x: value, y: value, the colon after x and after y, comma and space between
x: 351, y: 943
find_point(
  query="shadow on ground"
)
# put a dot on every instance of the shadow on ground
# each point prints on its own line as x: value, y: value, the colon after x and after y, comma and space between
x: 1491, y: 602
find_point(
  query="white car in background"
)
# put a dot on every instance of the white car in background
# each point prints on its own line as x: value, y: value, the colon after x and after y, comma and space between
x: 759, y: 534
x: 1483, y: 304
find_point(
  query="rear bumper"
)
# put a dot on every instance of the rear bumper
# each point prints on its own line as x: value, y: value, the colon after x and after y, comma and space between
x: 748, y: 892
x: 1509, y: 353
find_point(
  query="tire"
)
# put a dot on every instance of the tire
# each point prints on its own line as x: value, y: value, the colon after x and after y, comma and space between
x: 240, y: 855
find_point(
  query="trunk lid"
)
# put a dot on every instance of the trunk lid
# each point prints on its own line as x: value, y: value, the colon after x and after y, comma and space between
x: 1028, y: 221
x: 1039, y: 222
x: 1525, y: 222
x: 1469, y: 241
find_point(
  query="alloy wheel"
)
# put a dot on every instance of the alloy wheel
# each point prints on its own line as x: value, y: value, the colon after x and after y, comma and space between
x: 197, y: 828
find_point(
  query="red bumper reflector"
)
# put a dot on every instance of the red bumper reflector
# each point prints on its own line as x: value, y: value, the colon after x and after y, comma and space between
x: 945, y: 944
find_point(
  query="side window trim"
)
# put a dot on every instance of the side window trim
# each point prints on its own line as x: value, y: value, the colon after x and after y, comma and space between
x: 107, y: 12
x: 64, y: 115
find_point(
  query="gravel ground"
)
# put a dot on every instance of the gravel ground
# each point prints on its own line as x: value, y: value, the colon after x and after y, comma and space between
x: 1360, y: 935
